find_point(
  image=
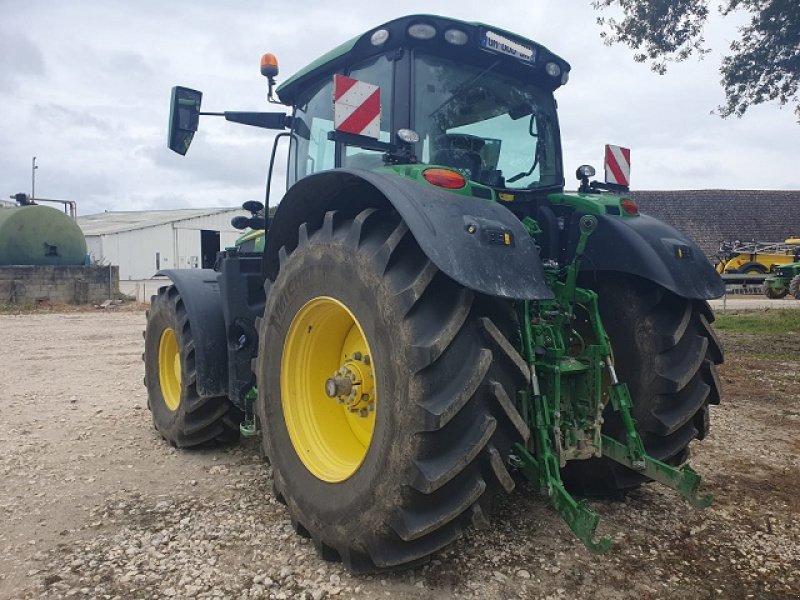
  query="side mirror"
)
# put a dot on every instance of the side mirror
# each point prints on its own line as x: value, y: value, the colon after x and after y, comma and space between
x: 257, y: 223
x: 253, y: 206
x: 184, y: 114
x: 240, y: 222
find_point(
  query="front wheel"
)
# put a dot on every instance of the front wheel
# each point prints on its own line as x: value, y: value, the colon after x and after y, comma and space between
x: 386, y: 392
x: 794, y: 287
x: 775, y: 293
x: 666, y: 351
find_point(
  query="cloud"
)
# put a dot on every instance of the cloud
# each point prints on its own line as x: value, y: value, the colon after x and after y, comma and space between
x: 64, y: 117
x: 21, y: 62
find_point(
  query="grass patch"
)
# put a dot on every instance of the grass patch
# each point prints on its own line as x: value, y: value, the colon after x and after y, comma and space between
x: 769, y: 321
x: 16, y: 309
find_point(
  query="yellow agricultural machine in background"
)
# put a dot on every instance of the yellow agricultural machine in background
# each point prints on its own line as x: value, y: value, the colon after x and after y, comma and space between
x: 756, y: 258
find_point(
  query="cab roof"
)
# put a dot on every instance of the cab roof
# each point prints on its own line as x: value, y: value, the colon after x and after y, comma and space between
x: 361, y: 48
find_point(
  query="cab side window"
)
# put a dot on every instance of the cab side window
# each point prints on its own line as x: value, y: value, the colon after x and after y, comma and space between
x: 313, y: 151
x: 248, y: 245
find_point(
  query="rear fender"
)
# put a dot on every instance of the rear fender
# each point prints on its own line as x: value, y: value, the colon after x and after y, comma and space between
x: 651, y: 249
x: 200, y: 292
x: 478, y: 243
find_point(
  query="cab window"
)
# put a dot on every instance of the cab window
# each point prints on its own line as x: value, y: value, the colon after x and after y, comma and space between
x: 248, y: 245
x: 313, y: 151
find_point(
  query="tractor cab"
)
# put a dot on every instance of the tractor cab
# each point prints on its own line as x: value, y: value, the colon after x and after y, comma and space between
x: 431, y: 91
x: 419, y: 90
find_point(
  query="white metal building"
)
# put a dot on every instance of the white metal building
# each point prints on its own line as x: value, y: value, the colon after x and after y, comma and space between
x: 143, y: 242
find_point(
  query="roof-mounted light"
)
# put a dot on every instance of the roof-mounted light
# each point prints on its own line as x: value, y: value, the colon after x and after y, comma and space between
x: 379, y: 37
x: 269, y: 69
x: 564, y: 77
x: 456, y: 37
x: 552, y: 69
x: 422, y: 31
x: 269, y: 65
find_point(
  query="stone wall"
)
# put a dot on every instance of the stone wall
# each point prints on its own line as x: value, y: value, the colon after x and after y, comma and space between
x: 58, y: 284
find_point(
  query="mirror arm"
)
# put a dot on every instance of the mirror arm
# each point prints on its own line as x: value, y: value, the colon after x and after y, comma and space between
x: 270, y: 97
x: 265, y: 120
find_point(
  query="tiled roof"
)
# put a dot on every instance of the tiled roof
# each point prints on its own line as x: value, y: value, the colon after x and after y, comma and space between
x: 710, y: 216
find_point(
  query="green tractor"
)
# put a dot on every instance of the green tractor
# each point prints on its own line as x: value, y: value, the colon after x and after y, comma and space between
x: 783, y: 281
x: 429, y: 318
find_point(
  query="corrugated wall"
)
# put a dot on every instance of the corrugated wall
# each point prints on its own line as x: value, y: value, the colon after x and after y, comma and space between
x: 141, y: 252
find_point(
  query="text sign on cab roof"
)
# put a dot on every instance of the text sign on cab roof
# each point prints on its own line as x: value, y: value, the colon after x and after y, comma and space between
x: 498, y: 43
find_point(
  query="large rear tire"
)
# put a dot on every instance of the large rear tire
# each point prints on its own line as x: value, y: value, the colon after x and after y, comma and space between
x: 666, y: 351
x: 438, y: 422
x: 180, y: 414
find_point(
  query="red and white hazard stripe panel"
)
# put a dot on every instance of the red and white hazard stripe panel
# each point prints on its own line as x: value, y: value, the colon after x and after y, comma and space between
x: 618, y: 165
x: 356, y: 107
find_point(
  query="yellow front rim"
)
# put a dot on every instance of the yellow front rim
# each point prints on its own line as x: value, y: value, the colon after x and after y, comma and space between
x: 330, y: 430
x: 169, y: 369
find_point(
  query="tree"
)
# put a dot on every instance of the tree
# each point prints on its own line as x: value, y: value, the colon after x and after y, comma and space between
x: 763, y: 64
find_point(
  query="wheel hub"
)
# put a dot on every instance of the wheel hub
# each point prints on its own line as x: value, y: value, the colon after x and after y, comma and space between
x: 353, y: 385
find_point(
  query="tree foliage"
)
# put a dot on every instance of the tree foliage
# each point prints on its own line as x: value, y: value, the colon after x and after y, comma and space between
x: 763, y: 64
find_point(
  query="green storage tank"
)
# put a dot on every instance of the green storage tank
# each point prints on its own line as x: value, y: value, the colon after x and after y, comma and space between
x: 39, y: 235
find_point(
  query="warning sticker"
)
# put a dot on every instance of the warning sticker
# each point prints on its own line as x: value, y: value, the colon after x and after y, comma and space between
x: 356, y: 107
x: 618, y: 165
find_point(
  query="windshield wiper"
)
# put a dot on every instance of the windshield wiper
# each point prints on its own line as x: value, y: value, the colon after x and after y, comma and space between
x: 535, y: 164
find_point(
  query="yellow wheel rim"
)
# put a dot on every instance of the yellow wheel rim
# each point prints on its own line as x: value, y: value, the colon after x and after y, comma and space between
x: 330, y: 427
x: 169, y: 369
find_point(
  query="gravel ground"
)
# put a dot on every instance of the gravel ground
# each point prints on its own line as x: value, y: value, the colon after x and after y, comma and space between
x: 95, y: 504
x: 752, y: 302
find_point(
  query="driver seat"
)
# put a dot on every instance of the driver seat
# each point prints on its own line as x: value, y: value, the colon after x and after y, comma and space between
x: 460, y: 159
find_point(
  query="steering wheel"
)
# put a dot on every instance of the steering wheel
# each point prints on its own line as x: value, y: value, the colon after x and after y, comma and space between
x: 460, y: 151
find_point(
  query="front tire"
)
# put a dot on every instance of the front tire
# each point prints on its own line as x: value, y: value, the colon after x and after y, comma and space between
x: 774, y: 294
x: 794, y: 287
x: 666, y: 351
x: 432, y: 450
x: 180, y: 414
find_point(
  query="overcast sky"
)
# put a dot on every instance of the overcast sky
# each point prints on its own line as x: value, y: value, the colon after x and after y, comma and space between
x: 85, y: 85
